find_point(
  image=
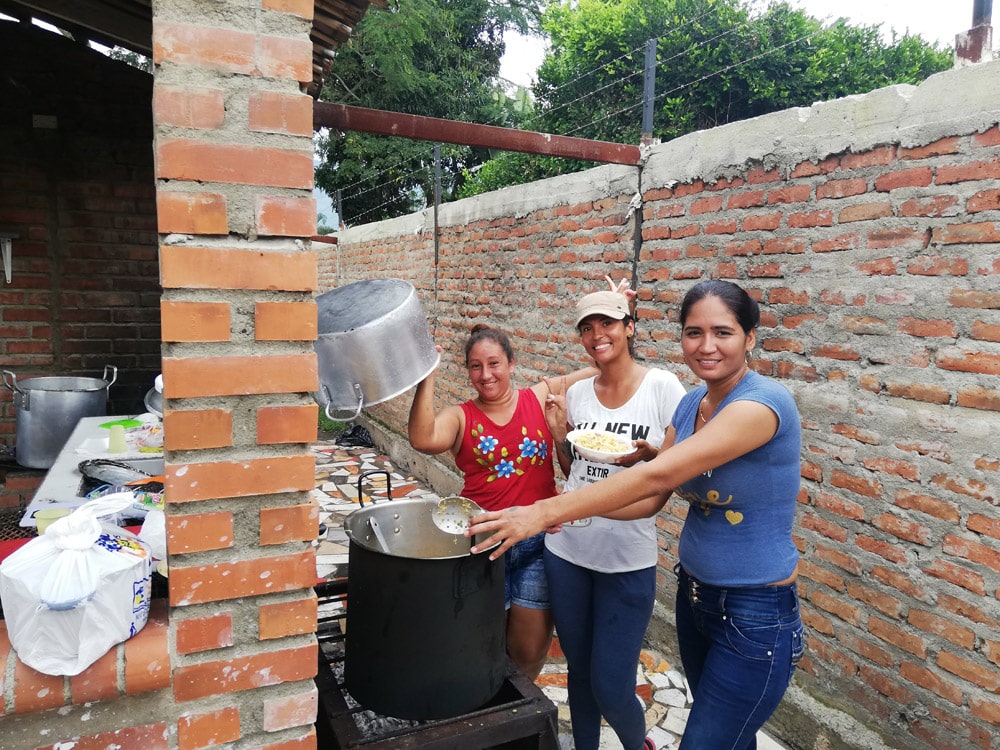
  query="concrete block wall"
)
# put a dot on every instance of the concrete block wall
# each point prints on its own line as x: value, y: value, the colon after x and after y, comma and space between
x: 869, y: 229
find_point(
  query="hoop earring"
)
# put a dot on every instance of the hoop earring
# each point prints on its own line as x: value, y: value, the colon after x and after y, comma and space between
x: 749, y: 359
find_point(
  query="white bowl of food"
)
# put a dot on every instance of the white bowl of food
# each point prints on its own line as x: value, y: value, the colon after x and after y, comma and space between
x: 600, y: 445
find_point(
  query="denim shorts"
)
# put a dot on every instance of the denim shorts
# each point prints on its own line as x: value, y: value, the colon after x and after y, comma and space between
x: 525, y: 583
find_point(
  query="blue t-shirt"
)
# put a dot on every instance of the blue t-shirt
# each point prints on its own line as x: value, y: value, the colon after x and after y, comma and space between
x: 738, y: 531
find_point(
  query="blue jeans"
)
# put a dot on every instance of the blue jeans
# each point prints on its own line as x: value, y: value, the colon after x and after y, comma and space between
x: 601, y: 621
x: 739, y: 648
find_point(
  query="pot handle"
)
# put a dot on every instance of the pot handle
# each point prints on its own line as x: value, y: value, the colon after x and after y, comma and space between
x: 352, y: 417
x: 10, y: 380
x: 114, y: 374
x: 469, y: 576
x: 388, y: 484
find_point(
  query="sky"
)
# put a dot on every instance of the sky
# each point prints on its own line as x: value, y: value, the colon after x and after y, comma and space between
x: 934, y: 20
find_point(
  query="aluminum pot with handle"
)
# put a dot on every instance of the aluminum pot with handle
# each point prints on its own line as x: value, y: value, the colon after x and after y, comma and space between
x: 48, y: 409
x: 426, y: 622
x: 372, y: 344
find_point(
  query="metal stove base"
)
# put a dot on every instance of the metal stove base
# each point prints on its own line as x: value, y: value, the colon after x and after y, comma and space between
x: 521, y: 721
x: 519, y: 717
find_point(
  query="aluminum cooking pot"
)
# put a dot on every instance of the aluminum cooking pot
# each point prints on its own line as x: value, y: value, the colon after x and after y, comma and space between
x: 372, y: 344
x: 407, y: 530
x: 48, y: 409
x: 404, y: 528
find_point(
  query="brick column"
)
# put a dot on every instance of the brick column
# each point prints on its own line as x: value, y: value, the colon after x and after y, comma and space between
x: 233, y: 146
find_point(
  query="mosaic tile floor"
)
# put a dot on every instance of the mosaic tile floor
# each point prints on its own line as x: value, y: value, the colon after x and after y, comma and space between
x: 660, y: 687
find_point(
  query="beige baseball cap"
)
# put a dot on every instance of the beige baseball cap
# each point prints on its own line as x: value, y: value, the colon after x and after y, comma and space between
x: 612, y: 304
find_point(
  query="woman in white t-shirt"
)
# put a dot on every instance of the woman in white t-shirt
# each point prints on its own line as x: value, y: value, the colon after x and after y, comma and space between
x: 602, y: 570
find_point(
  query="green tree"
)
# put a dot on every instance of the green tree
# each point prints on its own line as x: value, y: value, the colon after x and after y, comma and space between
x: 321, y: 224
x: 437, y: 58
x: 717, y: 61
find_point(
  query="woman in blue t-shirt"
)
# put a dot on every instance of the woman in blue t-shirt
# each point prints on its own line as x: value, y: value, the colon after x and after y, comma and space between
x: 733, y: 452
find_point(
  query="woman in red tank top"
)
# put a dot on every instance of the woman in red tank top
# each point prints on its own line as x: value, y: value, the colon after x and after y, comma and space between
x: 502, y: 446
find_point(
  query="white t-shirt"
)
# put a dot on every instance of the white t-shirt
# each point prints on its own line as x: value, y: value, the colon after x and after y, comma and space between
x: 599, y: 543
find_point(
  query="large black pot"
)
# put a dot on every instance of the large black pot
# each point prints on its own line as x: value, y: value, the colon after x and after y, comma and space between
x: 425, y: 619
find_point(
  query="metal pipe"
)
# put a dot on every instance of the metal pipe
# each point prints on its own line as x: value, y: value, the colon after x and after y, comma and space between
x: 982, y: 13
x: 437, y: 228
x: 649, y: 91
x: 343, y: 117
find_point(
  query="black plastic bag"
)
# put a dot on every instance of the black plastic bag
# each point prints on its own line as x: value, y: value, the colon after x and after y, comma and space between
x: 356, y: 437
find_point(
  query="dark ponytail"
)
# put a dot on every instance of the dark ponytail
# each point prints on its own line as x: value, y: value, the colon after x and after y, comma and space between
x: 481, y: 332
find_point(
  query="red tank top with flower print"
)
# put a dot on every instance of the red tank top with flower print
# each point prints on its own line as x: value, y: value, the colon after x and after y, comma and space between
x: 507, y: 465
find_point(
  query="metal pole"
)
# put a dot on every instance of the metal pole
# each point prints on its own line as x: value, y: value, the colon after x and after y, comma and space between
x: 648, y: 92
x: 636, y: 249
x: 341, y: 224
x: 982, y: 13
x: 438, y: 130
x: 437, y: 202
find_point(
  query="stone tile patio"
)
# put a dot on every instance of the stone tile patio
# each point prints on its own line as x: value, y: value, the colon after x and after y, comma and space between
x: 659, y: 685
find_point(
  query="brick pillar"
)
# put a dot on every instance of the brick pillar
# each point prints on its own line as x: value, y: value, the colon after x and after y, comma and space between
x: 233, y: 146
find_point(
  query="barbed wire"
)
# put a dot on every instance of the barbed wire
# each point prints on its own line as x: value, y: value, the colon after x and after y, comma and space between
x: 373, y: 209
x: 629, y: 54
x: 616, y: 82
x: 701, y: 79
x: 592, y: 71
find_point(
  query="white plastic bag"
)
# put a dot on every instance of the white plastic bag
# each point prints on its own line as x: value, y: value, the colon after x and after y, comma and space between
x: 154, y: 533
x: 76, y: 591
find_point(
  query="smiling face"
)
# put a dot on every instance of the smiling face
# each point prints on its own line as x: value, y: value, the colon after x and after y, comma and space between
x: 604, y: 338
x: 490, y: 370
x: 714, y: 345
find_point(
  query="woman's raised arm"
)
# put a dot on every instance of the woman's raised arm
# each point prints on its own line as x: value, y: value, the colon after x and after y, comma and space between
x: 429, y: 431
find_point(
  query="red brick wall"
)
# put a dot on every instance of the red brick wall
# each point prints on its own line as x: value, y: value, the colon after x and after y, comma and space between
x: 76, y: 186
x: 227, y: 210
x: 233, y: 146
x: 877, y: 269
x: 18, y: 486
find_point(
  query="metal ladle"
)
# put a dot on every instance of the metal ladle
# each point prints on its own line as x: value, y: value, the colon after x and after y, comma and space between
x: 452, y: 514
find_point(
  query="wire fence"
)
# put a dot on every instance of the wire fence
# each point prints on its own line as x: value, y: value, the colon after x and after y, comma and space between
x: 633, y: 57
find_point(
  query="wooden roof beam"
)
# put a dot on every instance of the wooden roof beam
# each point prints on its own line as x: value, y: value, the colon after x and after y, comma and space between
x: 127, y: 23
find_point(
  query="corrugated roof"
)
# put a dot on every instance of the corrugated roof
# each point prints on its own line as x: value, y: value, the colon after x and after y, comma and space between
x: 333, y: 23
x: 129, y: 23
